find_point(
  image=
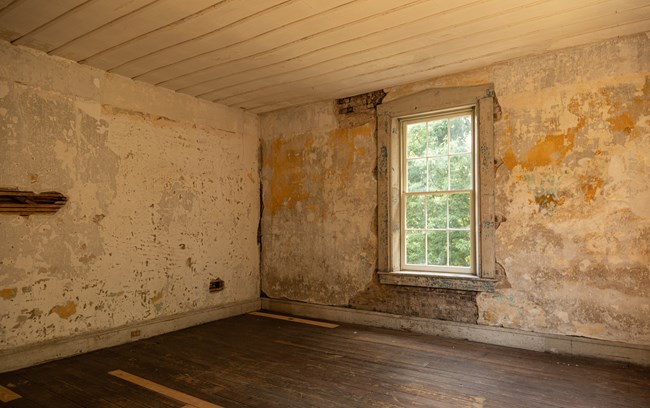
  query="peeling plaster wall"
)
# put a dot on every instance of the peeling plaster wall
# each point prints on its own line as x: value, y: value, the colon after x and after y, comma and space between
x: 573, y: 185
x: 163, y: 196
x: 315, y: 173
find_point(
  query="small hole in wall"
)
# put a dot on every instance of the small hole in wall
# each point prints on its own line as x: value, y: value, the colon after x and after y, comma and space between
x: 216, y: 285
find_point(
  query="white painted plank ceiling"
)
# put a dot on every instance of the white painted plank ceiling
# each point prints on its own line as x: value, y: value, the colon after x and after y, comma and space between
x: 262, y: 55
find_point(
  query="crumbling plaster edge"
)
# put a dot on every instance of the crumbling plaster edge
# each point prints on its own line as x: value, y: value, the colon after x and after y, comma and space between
x: 558, y: 344
x: 25, y: 356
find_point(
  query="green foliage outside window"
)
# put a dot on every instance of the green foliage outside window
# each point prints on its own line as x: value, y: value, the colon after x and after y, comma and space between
x: 439, y: 162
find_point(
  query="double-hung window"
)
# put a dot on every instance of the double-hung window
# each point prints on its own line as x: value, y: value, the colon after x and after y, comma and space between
x: 436, y: 189
x: 438, y: 193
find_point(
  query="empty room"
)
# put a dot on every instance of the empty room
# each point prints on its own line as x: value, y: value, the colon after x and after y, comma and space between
x: 324, y: 203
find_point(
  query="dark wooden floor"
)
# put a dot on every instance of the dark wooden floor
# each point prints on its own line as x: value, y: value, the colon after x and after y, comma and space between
x: 253, y: 361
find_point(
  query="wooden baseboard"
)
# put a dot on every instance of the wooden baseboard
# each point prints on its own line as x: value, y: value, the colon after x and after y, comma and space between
x: 578, y: 346
x: 20, y: 357
x: 25, y: 356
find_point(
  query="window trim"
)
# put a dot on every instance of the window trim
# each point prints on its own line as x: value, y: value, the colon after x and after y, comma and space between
x: 389, y: 114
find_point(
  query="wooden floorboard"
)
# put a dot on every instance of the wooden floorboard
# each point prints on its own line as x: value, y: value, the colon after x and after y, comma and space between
x: 257, y: 361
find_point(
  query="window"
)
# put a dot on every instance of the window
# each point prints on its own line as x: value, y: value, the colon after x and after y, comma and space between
x: 436, y: 189
x: 438, y: 193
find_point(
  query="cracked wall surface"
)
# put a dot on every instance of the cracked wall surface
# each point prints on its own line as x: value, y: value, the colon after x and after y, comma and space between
x: 573, y: 148
x: 163, y: 196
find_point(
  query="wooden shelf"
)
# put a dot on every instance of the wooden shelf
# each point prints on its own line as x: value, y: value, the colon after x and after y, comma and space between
x: 13, y: 201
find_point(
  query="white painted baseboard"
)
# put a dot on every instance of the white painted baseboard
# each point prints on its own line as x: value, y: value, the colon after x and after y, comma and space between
x: 25, y: 356
x: 579, y: 346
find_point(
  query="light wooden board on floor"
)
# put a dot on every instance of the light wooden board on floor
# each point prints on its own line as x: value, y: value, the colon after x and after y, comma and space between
x: 295, y: 319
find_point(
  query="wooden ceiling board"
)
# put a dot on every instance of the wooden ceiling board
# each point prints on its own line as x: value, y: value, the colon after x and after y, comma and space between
x: 403, y: 52
x: 77, y: 22
x: 146, y: 19
x: 428, y: 28
x: 475, y: 55
x: 638, y: 25
x: 174, y: 52
x: 129, y: 58
x: 326, y: 32
x: 263, y: 55
x: 237, y: 34
x: 256, y: 106
x: 23, y: 16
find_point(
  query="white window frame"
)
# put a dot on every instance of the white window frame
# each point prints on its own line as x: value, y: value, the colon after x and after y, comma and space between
x: 474, y: 192
x: 390, y: 114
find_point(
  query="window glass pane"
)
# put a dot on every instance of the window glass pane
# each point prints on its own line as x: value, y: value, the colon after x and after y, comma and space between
x: 461, y: 172
x: 415, y: 211
x: 459, y: 248
x: 415, y: 247
x: 437, y: 248
x: 460, y: 134
x: 416, y: 172
x: 437, y: 131
x: 416, y: 139
x: 459, y: 212
x: 438, y: 178
x: 437, y: 211
x: 437, y: 191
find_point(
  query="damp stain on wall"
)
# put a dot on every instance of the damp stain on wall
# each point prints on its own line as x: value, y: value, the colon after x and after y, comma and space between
x: 8, y: 293
x: 65, y: 310
x: 319, y: 185
x: 574, y: 253
x: 287, y: 186
x: 551, y: 149
x: 574, y: 247
x: 589, y: 185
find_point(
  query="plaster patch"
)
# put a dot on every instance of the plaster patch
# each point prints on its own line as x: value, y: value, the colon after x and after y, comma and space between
x: 91, y: 109
x: 628, y: 118
x: 548, y: 201
x: 640, y: 204
x: 552, y: 149
x: 157, y: 297
x: 26, y: 263
x: 8, y: 293
x: 66, y: 310
x: 622, y: 123
x: 589, y: 187
x: 286, y: 187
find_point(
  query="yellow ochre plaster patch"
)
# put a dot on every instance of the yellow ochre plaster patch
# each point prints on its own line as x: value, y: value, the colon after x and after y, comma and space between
x: 8, y: 293
x: 66, y: 310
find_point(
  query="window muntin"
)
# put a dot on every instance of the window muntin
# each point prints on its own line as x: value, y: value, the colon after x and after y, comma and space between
x: 438, y: 192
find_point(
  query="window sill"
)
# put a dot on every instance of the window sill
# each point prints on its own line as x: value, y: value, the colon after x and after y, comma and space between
x: 437, y: 280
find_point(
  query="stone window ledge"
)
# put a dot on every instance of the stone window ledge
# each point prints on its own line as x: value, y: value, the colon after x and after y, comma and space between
x: 437, y: 280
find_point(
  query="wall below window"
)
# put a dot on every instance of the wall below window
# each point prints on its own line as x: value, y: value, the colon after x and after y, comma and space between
x: 572, y: 146
x: 163, y: 195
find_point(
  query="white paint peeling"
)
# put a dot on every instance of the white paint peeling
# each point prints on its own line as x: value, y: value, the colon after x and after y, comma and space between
x: 159, y: 201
